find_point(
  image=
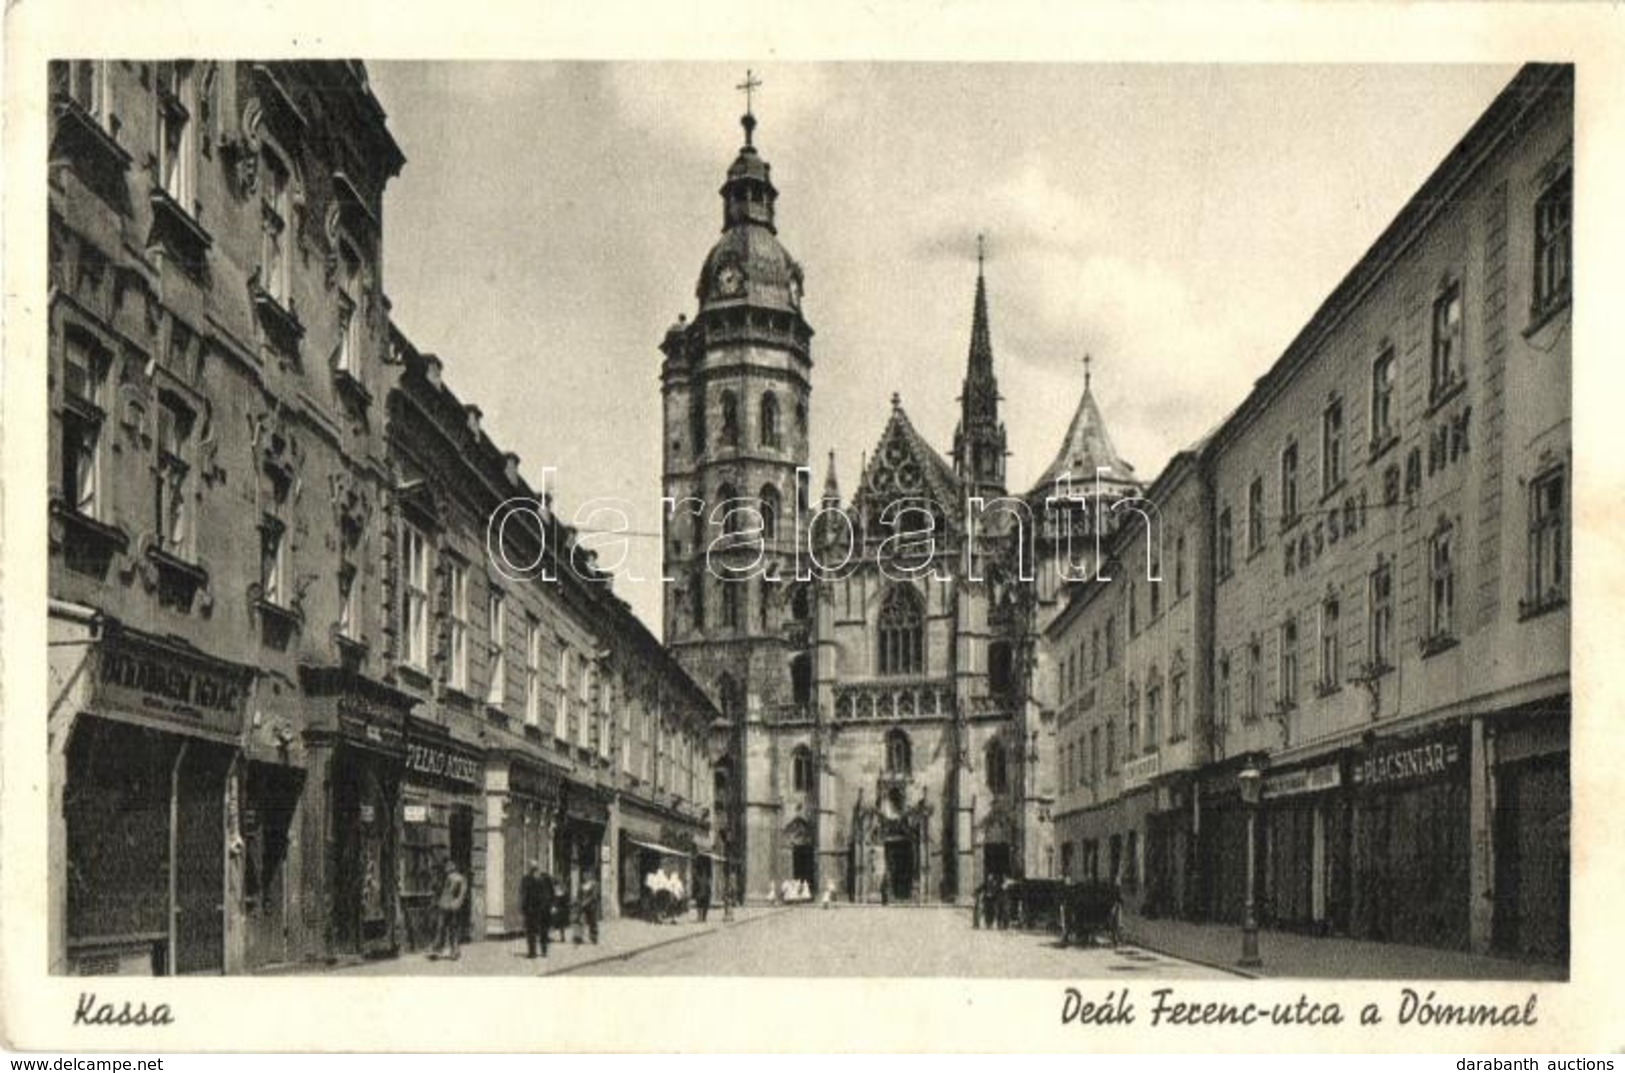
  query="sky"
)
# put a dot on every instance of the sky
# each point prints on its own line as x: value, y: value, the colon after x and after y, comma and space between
x: 1179, y: 224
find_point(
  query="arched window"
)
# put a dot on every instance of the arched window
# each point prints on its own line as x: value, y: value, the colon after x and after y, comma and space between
x: 730, y: 604
x: 799, y: 608
x: 801, y: 767
x: 730, y: 698
x: 770, y: 419
x: 727, y: 497
x: 997, y: 776
x: 801, y: 678
x: 770, y: 512
x: 1000, y: 678
x: 730, y: 419
x: 697, y: 599
x: 902, y: 633
x: 899, y: 753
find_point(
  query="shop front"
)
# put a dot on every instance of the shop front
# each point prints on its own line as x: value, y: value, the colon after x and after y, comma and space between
x: 1531, y: 832
x: 1170, y: 858
x: 1411, y: 839
x: 442, y: 784
x: 144, y: 806
x: 1221, y: 845
x: 578, y: 841
x: 1307, y: 837
x: 355, y: 735
x: 522, y: 796
x: 649, y: 844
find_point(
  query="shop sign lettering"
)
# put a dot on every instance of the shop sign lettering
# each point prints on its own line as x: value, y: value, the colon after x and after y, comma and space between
x: 433, y: 760
x: 153, y: 682
x: 1303, y: 781
x: 1407, y: 763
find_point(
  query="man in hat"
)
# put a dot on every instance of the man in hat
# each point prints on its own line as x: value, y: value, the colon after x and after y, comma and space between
x: 536, y: 900
x: 449, y: 903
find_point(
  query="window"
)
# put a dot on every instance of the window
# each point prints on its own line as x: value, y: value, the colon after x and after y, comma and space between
x: 730, y: 419
x: 171, y: 506
x: 1331, y: 650
x: 83, y: 370
x: 1222, y: 700
x: 533, y: 672
x: 1094, y: 652
x: 276, y: 244
x: 1287, y: 668
x: 1384, y: 373
x: 1133, y: 742
x: 1255, y: 669
x: 899, y: 754
x: 902, y: 633
x: 1133, y: 612
x: 415, y: 586
x: 628, y: 706
x: 1094, y: 755
x: 496, y: 618
x: 770, y: 420
x: 733, y: 512
x: 1255, y: 516
x: 177, y: 152
x: 1178, y: 703
x: 1442, y: 583
x: 1547, y: 577
x: 457, y: 624
x: 1331, y: 447
x: 1154, y: 588
x: 1289, y: 484
x: 1224, y: 545
x: 273, y: 545
x: 1111, y: 745
x: 349, y: 617
x: 561, y: 713
x: 1181, y: 581
x: 349, y: 352
x: 581, y: 710
x: 1380, y: 606
x: 730, y: 604
x: 1554, y: 212
x: 1153, y: 713
x: 1111, y: 641
x: 87, y: 87
x: 1447, y: 356
x: 696, y: 593
x: 770, y: 512
x: 997, y: 776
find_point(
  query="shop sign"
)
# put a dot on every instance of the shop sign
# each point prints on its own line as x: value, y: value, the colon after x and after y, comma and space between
x: 417, y: 813
x: 523, y: 780
x: 171, y: 686
x: 1307, y: 780
x: 1409, y: 761
x: 366, y: 719
x: 423, y: 759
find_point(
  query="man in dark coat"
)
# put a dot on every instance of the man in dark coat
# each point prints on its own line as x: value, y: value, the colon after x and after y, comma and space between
x: 536, y: 900
x: 702, y: 896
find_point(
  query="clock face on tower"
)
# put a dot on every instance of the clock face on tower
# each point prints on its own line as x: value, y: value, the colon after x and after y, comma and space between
x: 730, y: 280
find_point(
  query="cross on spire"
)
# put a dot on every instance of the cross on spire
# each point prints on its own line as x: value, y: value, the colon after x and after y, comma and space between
x: 749, y: 85
x: 1087, y: 359
x: 981, y: 251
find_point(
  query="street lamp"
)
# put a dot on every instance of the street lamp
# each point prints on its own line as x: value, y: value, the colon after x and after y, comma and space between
x: 1252, y: 784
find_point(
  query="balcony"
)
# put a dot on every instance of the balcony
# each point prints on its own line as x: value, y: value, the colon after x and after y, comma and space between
x: 899, y: 700
x: 176, y: 230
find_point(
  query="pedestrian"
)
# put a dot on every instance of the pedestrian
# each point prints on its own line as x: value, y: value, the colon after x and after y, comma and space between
x: 536, y: 901
x: 729, y: 895
x: 702, y: 897
x: 453, y: 892
x: 679, y: 896
x: 587, y: 909
x: 829, y: 893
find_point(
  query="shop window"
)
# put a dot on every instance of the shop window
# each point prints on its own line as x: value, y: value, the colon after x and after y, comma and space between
x: 1554, y: 211
x: 1447, y: 371
x: 902, y: 633
x: 802, y: 769
x: 997, y: 775
x: 1548, y: 578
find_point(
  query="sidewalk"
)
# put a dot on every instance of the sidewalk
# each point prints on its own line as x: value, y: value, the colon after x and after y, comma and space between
x: 1289, y: 954
x: 617, y: 939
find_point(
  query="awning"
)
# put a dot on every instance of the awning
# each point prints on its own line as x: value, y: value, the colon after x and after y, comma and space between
x: 656, y: 847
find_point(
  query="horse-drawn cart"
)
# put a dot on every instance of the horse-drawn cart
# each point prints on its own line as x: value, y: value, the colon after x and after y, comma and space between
x: 1090, y: 910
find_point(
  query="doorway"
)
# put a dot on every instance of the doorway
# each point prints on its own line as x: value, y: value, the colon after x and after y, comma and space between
x: 996, y: 859
x: 900, y: 869
x: 461, y: 848
x: 801, y: 866
x: 269, y: 795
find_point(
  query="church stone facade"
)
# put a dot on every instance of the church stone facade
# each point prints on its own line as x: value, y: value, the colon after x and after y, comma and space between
x: 874, y: 659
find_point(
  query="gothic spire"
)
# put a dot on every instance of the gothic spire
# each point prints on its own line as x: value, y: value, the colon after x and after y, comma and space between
x: 979, y: 441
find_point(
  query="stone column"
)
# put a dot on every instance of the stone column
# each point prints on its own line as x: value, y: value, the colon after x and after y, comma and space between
x: 1480, y: 819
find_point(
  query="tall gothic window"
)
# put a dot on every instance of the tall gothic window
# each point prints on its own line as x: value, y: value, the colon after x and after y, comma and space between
x: 902, y: 633
x: 730, y: 419
x: 899, y: 753
x: 770, y: 420
x: 770, y: 512
x: 997, y: 776
x: 801, y: 767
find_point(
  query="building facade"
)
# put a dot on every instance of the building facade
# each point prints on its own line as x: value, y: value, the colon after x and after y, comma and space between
x: 1378, y: 541
x: 287, y: 682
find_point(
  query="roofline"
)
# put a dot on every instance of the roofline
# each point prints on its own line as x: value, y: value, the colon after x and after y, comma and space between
x: 1531, y: 88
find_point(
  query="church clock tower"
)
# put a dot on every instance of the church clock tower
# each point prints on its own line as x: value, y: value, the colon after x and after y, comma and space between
x: 735, y: 384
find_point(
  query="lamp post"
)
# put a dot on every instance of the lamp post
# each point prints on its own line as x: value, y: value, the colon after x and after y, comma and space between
x: 1252, y: 785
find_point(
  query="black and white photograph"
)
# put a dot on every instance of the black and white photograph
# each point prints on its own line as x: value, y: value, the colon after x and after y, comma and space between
x: 554, y: 522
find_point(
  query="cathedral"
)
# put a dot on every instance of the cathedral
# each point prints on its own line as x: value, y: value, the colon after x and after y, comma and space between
x: 876, y: 659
